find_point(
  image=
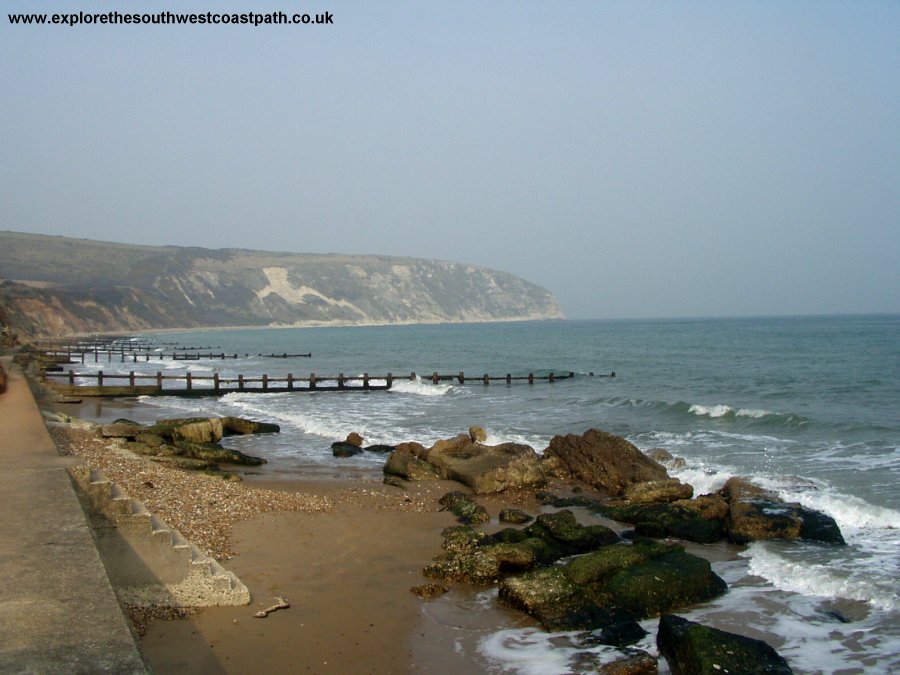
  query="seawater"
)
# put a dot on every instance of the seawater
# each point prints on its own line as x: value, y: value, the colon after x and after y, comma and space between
x: 808, y: 407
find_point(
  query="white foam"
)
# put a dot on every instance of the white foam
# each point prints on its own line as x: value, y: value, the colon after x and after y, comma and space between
x: 420, y: 387
x: 804, y: 577
x: 710, y: 411
x: 532, y: 651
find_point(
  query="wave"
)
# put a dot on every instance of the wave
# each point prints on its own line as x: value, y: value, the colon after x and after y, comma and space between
x: 420, y: 387
x: 820, y: 580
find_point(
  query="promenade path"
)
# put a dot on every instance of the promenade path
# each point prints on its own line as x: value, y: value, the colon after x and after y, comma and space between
x: 58, y: 612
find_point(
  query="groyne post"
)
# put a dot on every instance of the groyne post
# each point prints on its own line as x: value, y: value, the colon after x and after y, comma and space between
x: 462, y: 377
x: 187, y: 380
x: 365, y: 380
x: 99, y: 378
x: 290, y: 382
x: 71, y: 378
x: 390, y: 380
x: 550, y: 377
x: 509, y: 378
x: 159, y: 380
x: 312, y: 380
x: 240, y: 383
x: 216, y: 382
x: 265, y: 382
x: 487, y: 380
x: 340, y: 380
x: 434, y: 378
x: 131, y: 379
x: 530, y: 378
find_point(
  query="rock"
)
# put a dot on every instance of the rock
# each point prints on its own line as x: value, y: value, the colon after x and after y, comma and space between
x: 200, y: 431
x: 238, y: 426
x: 514, y: 516
x: 700, y: 520
x: 344, y: 449
x: 691, y: 648
x: 755, y: 514
x: 465, y: 510
x: 666, y: 458
x: 407, y: 462
x: 601, y: 460
x: 619, y: 581
x: 472, y: 556
x: 666, y: 490
x: 487, y: 468
x: 477, y: 434
x: 380, y: 449
x: 128, y: 430
x: 354, y: 438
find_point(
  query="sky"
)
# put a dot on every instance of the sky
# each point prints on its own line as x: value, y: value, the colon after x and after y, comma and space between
x: 637, y: 159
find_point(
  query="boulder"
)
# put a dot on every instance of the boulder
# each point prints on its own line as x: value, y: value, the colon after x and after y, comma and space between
x: 129, y: 430
x: 238, y: 426
x: 487, y: 468
x: 380, y: 449
x: 354, y: 438
x: 469, y: 555
x: 755, y: 514
x: 344, y: 449
x: 477, y: 434
x: 615, y: 584
x: 200, y: 431
x: 652, y: 491
x: 601, y: 460
x: 700, y: 520
x: 407, y: 462
x: 695, y: 649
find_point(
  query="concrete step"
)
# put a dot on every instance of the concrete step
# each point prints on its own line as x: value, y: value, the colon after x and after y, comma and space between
x: 149, y: 561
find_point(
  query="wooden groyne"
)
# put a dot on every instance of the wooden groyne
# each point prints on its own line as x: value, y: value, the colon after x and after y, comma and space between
x: 142, y: 384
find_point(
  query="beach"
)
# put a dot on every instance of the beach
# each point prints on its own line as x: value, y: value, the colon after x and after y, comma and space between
x: 344, y: 553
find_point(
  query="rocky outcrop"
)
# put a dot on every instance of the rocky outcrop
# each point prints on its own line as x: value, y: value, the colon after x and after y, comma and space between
x: 618, y: 584
x: 740, y: 511
x: 486, y: 468
x: 189, y: 443
x: 694, y: 649
x: 755, y: 514
x: 601, y: 460
x: 58, y: 286
x: 472, y: 556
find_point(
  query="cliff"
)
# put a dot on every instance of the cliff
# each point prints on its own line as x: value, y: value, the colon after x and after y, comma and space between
x: 58, y: 286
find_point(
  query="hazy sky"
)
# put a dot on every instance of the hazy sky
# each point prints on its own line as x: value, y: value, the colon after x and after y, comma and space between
x: 635, y: 158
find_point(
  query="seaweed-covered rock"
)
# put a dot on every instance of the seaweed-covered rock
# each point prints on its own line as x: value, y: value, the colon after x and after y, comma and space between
x: 601, y: 460
x: 698, y: 520
x: 514, y: 516
x: 693, y: 649
x: 640, y: 580
x: 487, y: 468
x: 464, y: 508
x: 473, y: 556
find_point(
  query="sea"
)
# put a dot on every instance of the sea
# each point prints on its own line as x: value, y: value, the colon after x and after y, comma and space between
x: 807, y: 407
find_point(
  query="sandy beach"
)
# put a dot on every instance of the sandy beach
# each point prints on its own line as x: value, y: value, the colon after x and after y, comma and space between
x: 344, y: 553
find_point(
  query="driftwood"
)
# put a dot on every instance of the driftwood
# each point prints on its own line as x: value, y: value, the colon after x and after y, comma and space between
x: 280, y: 603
